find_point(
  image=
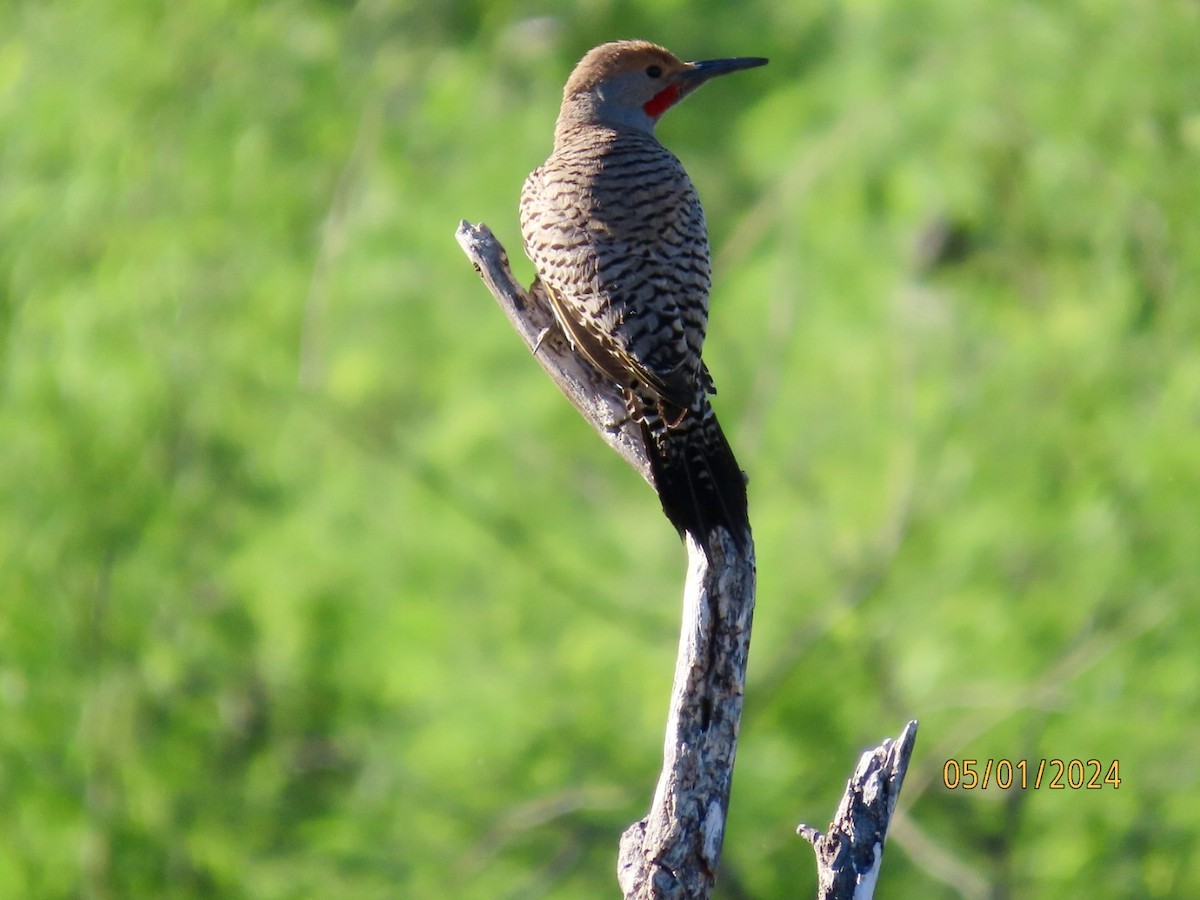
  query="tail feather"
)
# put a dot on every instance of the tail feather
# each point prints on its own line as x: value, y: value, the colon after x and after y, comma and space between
x: 700, y: 484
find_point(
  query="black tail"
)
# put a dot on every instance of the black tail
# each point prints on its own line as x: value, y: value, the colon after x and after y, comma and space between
x: 699, y: 481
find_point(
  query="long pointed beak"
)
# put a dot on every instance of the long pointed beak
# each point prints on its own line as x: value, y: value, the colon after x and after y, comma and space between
x: 701, y: 71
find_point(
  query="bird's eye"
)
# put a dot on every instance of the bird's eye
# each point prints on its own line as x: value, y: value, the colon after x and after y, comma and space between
x: 654, y: 71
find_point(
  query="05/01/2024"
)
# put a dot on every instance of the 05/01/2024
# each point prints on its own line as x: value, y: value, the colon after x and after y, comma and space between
x: 1022, y: 774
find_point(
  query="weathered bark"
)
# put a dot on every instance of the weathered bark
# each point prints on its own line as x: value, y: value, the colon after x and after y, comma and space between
x: 598, y: 400
x: 674, y: 851
x: 850, y: 853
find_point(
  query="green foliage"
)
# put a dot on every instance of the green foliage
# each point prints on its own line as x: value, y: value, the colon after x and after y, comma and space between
x: 312, y: 586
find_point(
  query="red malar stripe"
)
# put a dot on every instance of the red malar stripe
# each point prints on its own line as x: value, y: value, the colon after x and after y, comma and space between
x: 662, y: 101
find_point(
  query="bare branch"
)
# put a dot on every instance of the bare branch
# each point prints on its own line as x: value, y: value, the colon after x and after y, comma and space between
x: 850, y: 853
x: 598, y: 400
x: 674, y: 851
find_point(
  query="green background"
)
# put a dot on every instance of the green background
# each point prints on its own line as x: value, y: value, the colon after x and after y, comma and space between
x: 312, y: 585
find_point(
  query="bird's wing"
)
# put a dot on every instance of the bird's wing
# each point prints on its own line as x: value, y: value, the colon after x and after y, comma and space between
x: 616, y: 296
x: 646, y: 299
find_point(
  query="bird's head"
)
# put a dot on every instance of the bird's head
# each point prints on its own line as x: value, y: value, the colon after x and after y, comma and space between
x: 632, y: 83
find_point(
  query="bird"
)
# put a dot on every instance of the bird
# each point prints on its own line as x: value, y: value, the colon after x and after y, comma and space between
x: 619, y: 242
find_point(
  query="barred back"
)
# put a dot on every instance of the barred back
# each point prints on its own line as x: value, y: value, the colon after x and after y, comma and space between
x: 616, y: 232
x: 618, y: 237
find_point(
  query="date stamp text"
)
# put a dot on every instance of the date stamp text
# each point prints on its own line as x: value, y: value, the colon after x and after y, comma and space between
x: 1023, y: 774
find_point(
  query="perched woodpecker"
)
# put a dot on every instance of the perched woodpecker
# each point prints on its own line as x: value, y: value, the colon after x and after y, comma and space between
x: 618, y: 237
